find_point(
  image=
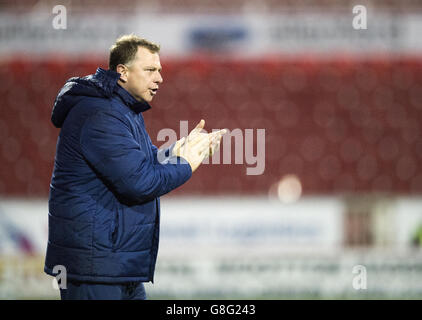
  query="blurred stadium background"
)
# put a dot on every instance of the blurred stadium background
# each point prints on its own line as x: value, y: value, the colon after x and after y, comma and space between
x: 342, y: 113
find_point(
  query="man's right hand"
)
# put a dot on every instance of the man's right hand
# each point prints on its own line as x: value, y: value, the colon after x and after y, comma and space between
x: 197, y: 145
x: 193, y: 152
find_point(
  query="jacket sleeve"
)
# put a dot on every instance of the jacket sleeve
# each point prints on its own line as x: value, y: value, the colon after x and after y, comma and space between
x: 108, y: 145
x: 162, y: 156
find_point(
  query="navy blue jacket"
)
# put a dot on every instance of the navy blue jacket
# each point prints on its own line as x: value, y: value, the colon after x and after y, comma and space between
x: 104, y: 208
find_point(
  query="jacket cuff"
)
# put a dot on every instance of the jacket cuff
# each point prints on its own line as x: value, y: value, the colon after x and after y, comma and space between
x: 163, y: 156
x: 184, y: 165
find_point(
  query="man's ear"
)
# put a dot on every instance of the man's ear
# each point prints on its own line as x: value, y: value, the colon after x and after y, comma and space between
x: 122, y: 69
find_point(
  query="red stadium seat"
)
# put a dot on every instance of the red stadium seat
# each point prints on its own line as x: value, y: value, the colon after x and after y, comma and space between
x: 340, y: 126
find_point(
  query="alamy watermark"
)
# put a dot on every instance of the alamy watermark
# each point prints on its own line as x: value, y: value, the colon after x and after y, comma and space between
x: 360, y: 19
x: 244, y: 143
x: 60, y: 280
x: 60, y: 18
x: 359, y: 281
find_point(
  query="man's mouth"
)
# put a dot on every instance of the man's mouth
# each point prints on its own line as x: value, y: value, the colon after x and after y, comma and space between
x: 153, y: 91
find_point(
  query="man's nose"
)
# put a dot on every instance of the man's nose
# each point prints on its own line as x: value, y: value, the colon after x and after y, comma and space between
x: 159, y: 78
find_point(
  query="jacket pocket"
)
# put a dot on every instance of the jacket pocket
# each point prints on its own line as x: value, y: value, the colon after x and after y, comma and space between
x: 114, y: 229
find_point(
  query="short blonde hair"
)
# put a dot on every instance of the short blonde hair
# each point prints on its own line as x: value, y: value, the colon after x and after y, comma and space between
x: 124, y: 50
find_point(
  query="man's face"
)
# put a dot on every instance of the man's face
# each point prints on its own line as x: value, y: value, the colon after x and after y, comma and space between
x: 142, y: 75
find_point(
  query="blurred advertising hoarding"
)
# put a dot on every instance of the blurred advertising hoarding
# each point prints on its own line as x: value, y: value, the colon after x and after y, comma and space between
x: 238, y: 35
x: 219, y: 223
x: 243, y: 247
x: 198, y: 231
x: 209, y: 222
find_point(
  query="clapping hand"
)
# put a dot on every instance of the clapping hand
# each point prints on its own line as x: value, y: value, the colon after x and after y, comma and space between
x: 198, y: 145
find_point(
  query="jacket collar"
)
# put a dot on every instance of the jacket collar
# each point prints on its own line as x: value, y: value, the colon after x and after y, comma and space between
x: 106, y: 80
x: 130, y: 101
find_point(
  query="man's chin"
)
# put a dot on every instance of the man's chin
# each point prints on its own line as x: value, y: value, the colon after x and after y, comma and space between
x: 144, y: 99
x: 148, y: 97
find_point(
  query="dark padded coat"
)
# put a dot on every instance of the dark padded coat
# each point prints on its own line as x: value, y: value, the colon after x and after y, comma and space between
x: 104, y: 207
